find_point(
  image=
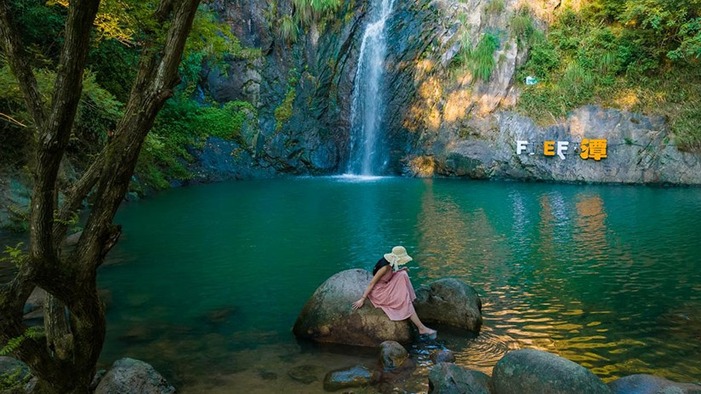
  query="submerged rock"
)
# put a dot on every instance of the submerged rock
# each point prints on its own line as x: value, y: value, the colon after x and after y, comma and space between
x: 448, y: 378
x: 356, y: 376
x: 442, y: 356
x: 649, y: 384
x: 128, y: 375
x: 534, y: 371
x: 305, y: 373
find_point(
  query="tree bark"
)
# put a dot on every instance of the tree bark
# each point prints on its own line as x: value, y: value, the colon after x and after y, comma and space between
x: 64, y: 359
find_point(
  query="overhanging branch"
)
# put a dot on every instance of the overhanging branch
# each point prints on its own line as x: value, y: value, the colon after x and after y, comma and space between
x: 19, y: 64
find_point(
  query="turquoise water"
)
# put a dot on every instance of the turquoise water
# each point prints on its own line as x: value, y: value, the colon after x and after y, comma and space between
x: 207, y: 281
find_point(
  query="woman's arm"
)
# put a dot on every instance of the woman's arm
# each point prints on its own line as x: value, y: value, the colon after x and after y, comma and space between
x: 378, y: 275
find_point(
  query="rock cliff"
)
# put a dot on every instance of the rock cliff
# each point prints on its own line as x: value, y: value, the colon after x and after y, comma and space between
x: 442, y: 117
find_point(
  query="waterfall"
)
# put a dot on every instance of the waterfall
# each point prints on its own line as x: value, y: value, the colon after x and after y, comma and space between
x: 368, y: 155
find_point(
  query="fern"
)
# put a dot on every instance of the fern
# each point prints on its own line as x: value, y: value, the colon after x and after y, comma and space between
x: 15, y: 255
x: 14, y: 343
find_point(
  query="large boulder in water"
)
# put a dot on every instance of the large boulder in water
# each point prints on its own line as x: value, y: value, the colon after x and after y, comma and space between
x: 535, y: 371
x: 328, y: 315
x: 449, y: 302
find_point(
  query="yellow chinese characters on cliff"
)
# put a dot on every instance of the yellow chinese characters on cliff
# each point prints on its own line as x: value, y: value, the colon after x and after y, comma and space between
x: 594, y: 149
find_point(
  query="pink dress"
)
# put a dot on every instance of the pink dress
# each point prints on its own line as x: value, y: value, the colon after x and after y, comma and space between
x: 394, y: 294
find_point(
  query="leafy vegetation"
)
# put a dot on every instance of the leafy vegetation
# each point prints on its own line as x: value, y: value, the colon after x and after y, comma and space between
x: 289, y: 24
x: 284, y: 111
x: 16, y: 379
x: 634, y: 55
x: 15, y: 255
x: 112, y: 63
x: 495, y: 6
x: 479, y: 60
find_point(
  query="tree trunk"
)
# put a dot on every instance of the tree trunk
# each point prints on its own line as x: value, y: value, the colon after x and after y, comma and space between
x: 64, y: 358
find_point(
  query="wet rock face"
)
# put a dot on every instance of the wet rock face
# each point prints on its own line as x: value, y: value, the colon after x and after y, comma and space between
x: 534, y: 371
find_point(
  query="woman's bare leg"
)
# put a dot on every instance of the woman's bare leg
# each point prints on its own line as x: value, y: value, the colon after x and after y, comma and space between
x: 423, y: 330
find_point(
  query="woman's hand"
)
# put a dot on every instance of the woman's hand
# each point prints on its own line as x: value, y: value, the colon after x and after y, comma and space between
x: 359, y: 304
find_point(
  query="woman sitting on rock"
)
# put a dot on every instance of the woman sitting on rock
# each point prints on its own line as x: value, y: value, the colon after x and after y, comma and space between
x: 391, y: 290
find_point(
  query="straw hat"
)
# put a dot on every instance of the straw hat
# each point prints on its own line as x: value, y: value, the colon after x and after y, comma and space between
x: 398, y: 256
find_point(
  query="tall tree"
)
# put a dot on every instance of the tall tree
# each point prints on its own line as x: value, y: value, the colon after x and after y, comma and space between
x: 64, y: 357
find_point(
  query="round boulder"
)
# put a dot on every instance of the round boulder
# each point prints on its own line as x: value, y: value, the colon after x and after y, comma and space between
x: 328, y: 316
x: 650, y: 384
x: 534, y: 371
x: 450, y: 302
x: 448, y: 378
x: 128, y: 375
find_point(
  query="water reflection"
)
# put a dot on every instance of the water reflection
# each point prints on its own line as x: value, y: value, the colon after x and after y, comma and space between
x: 581, y: 271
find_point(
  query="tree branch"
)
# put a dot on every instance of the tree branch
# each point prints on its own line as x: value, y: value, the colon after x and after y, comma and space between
x: 54, y: 134
x: 157, y: 75
x: 20, y: 65
x: 76, y: 195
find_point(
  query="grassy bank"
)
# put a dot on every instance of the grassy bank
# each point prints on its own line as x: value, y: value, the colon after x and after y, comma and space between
x: 641, y: 57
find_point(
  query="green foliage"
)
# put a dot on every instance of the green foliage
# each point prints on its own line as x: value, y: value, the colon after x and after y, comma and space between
x: 635, y: 55
x: 481, y: 60
x: 284, y: 111
x: 289, y: 26
x: 183, y: 123
x: 523, y: 27
x: 114, y: 66
x: 121, y: 30
x: 209, y: 41
x: 15, y: 255
x: 690, y: 46
x: 288, y: 30
x: 41, y: 27
x: 13, y: 344
x: 495, y: 7
x: 15, y: 380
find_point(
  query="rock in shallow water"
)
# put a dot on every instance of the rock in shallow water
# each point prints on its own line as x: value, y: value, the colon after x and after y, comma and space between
x: 448, y: 378
x: 534, y: 371
x: 128, y: 375
x: 649, y: 384
x: 356, y: 376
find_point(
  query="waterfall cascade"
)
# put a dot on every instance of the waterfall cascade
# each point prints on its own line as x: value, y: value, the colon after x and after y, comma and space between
x: 368, y: 155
